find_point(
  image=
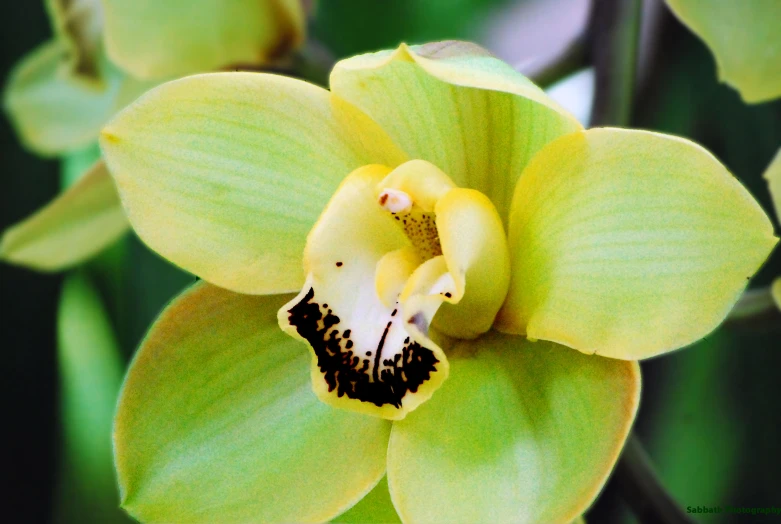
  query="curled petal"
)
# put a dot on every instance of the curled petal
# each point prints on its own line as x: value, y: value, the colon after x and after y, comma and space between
x: 462, y: 288
x: 458, y: 107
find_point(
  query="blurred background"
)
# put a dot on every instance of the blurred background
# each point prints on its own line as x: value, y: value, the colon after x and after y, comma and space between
x: 709, y: 416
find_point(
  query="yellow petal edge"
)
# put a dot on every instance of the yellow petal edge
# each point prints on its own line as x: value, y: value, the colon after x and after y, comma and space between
x: 78, y: 224
x: 743, y: 36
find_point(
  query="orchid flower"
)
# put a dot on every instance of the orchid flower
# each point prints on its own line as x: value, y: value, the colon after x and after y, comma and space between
x: 105, y: 53
x: 473, y: 275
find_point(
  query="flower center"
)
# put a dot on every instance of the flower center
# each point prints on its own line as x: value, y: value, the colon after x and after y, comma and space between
x: 419, y: 226
x: 393, y: 250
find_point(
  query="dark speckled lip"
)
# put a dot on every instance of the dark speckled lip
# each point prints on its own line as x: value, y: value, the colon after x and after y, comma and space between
x: 379, y: 382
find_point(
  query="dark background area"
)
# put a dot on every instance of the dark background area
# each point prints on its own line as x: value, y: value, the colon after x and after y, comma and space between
x: 28, y: 303
x: 709, y: 415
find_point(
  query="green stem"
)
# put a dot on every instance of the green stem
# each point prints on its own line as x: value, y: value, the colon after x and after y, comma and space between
x: 572, y: 59
x: 641, y: 489
x: 613, y: 34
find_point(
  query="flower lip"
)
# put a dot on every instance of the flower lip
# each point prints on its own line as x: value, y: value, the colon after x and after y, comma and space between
x: 377, y: 377
x: 363, y: 357
x: 377, y: 276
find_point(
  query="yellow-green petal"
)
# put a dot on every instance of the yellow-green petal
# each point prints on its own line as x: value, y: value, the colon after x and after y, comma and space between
x: 224, y: 174
x: 474, y: 246
x: 454, y: 105
x: 629, y: 244
x: 76, y: 225
x: 153, y: 39
x: 217, y: 422
x: 54, y: 110
x: 374, y: 508
x: 521, y: 432
x: 743, y: 37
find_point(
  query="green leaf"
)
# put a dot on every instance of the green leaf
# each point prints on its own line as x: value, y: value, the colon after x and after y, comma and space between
x: 76, y: 225
x: 744, y: 38
x: 76, y: 163
x: 90, y: 376
x: 520, y: 432
x: 629, y: 244
x: 217, y: 421
x: 693, y: 435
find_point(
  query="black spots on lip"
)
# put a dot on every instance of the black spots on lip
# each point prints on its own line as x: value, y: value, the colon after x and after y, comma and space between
x: 381, y: 381
x: 420, y: 227
x: 339, y: 264
x: 448, y: 294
